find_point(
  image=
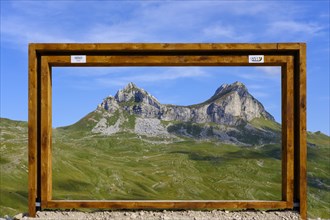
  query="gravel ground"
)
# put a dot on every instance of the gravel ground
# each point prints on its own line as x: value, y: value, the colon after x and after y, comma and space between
x: 164, y: 215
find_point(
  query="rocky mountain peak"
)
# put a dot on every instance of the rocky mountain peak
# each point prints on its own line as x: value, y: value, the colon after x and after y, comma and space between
x: 131, y: 86
x: 133, y: 100
x: 227, y: 88
x: 128, y: 92
x: 132, y: 92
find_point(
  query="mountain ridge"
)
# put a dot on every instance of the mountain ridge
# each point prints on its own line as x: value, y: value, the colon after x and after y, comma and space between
x: 231, y: 100
x: 231, y: 115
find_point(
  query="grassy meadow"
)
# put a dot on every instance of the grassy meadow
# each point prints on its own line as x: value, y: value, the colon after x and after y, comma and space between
x: 123, y: 166
x: 128, y: 166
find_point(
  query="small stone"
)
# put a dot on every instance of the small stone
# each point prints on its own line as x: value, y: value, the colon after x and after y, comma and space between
x: 18, y: 216
x: 166, y: 215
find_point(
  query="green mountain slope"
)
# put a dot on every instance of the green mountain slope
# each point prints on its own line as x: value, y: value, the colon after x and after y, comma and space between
x: 13, y: 164
x: 125, y: 165
x: 318, y: 170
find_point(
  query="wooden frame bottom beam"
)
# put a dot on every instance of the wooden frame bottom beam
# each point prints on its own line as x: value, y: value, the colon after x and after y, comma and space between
x: 173, y: 204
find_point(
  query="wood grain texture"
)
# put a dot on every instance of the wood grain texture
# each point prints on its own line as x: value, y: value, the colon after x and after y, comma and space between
x: 101, y: 47
x: 183, y: 60
x: 289, y: 46
x: 288, y: 131
x: 32, y: 131
x: 50, y: 143
x: 174, y: 204
x: 46, y: 131
x: 302, y: 132
x: 154, y: 47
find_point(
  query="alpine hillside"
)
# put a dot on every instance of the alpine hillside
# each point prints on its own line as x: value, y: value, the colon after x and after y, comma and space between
x: 132, y: 147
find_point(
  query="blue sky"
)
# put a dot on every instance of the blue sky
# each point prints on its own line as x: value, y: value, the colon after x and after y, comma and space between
x: 77, y: 91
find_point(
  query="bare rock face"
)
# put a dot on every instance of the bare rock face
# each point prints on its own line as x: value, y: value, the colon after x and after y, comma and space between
x: 109, y: 104
x: 132, y: 93
x: 233, y: 103
x: 150, y: 127
x: 104, y: 128
x: 134, y: 101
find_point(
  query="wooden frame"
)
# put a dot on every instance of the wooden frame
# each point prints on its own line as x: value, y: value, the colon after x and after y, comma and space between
x: 290, y: 56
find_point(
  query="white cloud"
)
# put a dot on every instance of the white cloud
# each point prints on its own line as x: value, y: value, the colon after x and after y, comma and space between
x: 114, y: 33
x: 87, y: 71
x: 264, y: 90
x: 18, y: 31
x: 262, y: 73
x: 295, y: 27
x: 270, y: 71
x: 290, y: 28
x: 39, y: 9
x: 225, y: 32
x: 183, y: 21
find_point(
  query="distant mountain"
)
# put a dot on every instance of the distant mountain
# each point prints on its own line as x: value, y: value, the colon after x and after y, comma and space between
x: 229, y: 105
x: 231, y: 115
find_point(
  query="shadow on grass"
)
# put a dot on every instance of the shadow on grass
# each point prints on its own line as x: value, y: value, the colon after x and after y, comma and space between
x: 319, y: 183
x: 269, y: 152
x: 72, y: 185
x: 22, y: 193
x: 198, y: 157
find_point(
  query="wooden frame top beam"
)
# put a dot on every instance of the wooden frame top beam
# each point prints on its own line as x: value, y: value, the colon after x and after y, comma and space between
x: 100, y: 47
x: 165, y: 60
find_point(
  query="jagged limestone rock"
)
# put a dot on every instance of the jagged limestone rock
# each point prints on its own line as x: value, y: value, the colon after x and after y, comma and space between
x: 109, y: 104
x: 150, y: 127
x: 103, y: 127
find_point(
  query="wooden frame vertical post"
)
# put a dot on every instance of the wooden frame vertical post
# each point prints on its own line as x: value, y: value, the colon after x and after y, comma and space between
x: 290, y: 56
x: 32, y: 126
x: 46, y: 133
x: 287, y: 131
x: 301, y: 131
